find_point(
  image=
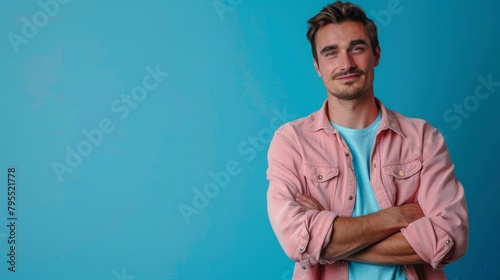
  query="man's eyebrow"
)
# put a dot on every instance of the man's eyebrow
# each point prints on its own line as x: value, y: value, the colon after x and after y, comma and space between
x: 358, y: 42
x: 335, y: 47
x: 329, y: 48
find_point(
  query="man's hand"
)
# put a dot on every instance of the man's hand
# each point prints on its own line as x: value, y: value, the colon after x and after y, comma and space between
x: 405, y: 214
x: 308, y: 202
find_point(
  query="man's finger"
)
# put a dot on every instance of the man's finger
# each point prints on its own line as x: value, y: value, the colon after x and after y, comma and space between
x: 308, y: 202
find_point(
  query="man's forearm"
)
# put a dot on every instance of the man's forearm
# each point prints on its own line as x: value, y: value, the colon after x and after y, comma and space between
x: 394, y: 249
x: 351, y: 235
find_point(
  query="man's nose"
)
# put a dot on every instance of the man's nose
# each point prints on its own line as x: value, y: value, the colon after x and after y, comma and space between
x: 346, y: 62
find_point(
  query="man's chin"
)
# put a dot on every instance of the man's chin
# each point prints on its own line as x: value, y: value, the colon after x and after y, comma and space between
x: 349, y: 83
x: 349, y: 95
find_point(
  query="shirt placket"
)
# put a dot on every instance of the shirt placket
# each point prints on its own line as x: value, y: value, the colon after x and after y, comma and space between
x: 350, y: 179
x: 381, y: 194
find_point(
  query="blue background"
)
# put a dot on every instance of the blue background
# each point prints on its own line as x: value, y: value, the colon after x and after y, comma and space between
x: 231, y: 73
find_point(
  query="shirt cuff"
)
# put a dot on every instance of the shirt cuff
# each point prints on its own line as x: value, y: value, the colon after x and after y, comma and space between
x: 429, y: 241
x: 313, y: 239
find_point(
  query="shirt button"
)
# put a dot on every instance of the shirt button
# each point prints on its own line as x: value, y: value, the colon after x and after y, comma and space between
x: 302, y: 249
x: 320, y: 177
x: 374, y: 165
x: 304, y: 267
x: 448, y: 242
x: 342, y: 262
x: 347, y: 154
x: 401, y: 173
x: 350, y: 197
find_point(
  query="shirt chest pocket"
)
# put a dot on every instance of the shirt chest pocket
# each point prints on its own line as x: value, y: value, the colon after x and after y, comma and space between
x: 402, y: 180
x: 319, y: 175
x: 321, y: 182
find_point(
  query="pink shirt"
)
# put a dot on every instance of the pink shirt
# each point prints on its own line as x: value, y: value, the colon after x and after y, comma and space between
x: 410, y: 162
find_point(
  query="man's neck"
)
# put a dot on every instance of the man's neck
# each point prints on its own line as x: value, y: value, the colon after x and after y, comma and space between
x: 356, y: 114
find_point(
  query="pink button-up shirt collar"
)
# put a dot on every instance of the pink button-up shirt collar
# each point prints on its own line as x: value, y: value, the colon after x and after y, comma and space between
x: 320, y: 120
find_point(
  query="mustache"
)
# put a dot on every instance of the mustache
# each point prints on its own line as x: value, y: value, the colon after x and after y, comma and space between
x: 348, y: 72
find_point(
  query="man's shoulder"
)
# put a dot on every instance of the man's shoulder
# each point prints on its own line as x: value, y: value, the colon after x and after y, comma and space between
x: 299, y: 124
x: 406, y: 122
x: 404, y: 118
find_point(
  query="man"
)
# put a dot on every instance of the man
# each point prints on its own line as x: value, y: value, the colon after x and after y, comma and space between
x: 358, y: 191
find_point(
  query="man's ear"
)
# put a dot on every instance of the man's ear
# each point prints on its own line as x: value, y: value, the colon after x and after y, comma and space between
x: 377, y: 56
x: 316, y: 66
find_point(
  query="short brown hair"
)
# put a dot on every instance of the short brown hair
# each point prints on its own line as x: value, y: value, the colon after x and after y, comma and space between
x: 337, y: 13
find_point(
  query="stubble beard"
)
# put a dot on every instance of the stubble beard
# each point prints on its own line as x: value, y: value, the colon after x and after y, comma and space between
x: 349, y: 94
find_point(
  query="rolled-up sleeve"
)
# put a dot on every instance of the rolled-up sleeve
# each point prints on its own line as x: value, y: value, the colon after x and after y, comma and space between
x: 442, y: 235
x: 302, y: 234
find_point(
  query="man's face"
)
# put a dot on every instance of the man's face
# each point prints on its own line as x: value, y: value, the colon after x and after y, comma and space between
x: 346, y: 60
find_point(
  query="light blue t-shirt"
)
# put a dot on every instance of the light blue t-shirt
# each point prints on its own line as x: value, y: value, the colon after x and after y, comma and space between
x: 360, y: 142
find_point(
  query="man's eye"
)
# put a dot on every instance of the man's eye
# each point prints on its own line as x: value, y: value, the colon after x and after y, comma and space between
x: 357, y: 49
x: 332, y: 53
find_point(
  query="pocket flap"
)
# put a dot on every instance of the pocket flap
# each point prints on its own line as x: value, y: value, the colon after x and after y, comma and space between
x: 319, y: 173
x: 403, y: 169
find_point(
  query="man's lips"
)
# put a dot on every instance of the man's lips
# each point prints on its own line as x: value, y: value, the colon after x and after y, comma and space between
x: 348, y: 77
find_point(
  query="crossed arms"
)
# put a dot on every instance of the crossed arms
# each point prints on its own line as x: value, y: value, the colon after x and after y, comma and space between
x: 399, y: 234
x: 374, y: 238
